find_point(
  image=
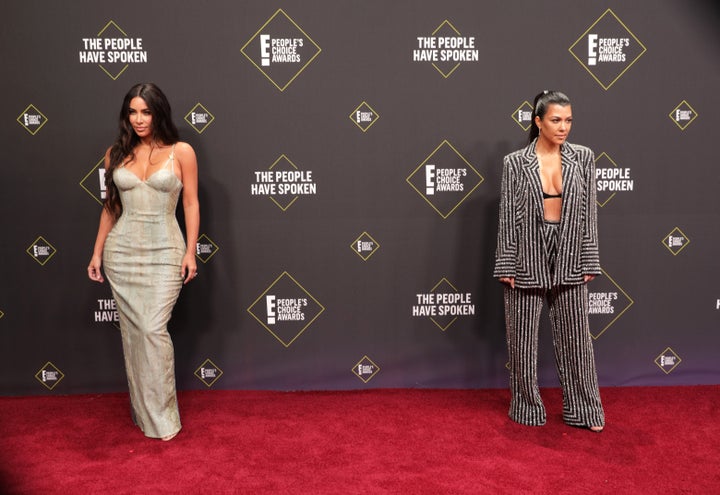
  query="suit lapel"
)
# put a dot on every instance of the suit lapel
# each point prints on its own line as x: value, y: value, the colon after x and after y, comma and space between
x: 531, y: 169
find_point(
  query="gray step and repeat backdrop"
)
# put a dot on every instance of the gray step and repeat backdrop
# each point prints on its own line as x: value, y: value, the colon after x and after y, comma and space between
x: 350, y: 156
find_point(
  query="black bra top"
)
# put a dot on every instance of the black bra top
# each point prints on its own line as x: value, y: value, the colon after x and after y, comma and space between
x: 549, y: 196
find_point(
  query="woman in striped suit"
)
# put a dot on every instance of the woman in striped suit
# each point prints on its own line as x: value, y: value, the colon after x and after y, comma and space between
x: 547, y: 249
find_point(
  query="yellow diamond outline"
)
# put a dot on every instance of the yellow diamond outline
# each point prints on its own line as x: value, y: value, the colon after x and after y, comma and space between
x: 1, y: 314
x: 682, y: 128
x: 39, y: 373
x: 679, y: 360
x: 92, y: 171
x: 46, y: 242
x: 302, y: 330
x: 456, y: 32
x: 595, y: 337
x: 242, y: 50
x: 217, y: 248
x: 644, y: 49
x: 597, y: 158
x: 296, y: 168
x: 45, y: 119
x: 482, y: 179
x: 114, y: 78
x: 456, y: 291
x: 377, y: 116
x: 512, y: 116
x: 670, y: 233
x: 377, y: 369
x: 212, y: 117
x: 208, y: 360
x: 364, y: 258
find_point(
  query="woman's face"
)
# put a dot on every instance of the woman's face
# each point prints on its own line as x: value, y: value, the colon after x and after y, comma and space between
x: 140, y: 117
x: 555, y: 124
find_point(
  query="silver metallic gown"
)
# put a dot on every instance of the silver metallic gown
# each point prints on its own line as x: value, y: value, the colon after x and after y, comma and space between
x: 142, y: 258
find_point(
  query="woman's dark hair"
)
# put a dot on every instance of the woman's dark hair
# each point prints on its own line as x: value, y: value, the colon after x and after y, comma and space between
x: 540, y: 106
x: 163, y: 131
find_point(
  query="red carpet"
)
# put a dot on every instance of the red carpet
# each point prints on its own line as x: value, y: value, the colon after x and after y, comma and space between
x: 657, y: 440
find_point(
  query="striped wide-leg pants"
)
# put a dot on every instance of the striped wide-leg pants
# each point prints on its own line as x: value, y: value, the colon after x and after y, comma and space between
x: 574, y: 358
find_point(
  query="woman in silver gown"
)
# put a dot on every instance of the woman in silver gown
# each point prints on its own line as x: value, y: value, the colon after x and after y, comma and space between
x: 141, y: 246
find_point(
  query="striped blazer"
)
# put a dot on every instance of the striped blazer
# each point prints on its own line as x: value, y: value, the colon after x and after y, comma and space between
x: 520, y: 244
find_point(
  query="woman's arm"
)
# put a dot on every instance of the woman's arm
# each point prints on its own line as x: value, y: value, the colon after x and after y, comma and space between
x: 187, y: 162
x: 107, y: 220
x: 506, y: 251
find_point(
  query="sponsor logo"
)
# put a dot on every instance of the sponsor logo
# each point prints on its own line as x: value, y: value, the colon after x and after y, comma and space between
x: 445, y: 179
x: 523, y: 115
x: 199, y: 118
x: 112, y: 50
x: 365, y: 369
x: 676, y: 241
x: 611, y: 179
x: 208, y: 373
x: 286, y: 309
x: 607, y: 49
x: 41, y: 250
x: 94, y: 182
x: 365, y: 246
x: 205, y: 248
x: 443, y: 304
x: 32, y: 119
x: 683, y: 115
x: 668, y: 360
x: 49, y: 375
x: 445, y: 49
x: 283, y: 183
x: 281, y: 50
x: 364, y: 116
x: 607, y: 302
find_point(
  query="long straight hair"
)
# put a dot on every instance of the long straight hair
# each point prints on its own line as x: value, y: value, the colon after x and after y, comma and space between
x: 123, y: 149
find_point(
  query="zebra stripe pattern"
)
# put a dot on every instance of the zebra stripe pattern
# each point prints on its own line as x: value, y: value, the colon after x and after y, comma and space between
x: 574, y: 358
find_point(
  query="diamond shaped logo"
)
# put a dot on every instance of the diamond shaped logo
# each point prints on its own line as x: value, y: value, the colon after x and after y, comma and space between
x: 199, y: 118
x: 41, y: 250
x: 607, y: 303
x: 208, y: 373
x: 445, y: 179
x: 115, y: 65
x: 365, y: 246
x: 1, y: 314
x: 683, y: 115
x: 446, y: 48
x: 49, y: 376
x: 281, y: 50
x: 365, y: 369
x: 32, y: 119
x: 676, y: 241
x: 523, y: 115
x: 94, y: 182
x: 206, y: 248
x: 668, y: 360
x: 610, y: 179
x: 283, y: 183
x: 286, y: 309
x: 607, y: 49
x: 443, y: 304
x: 364, y: 116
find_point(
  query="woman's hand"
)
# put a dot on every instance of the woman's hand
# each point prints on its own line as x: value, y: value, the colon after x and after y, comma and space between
x: 508, y: 280
x: 189, y: 267
x: 94, y: 271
